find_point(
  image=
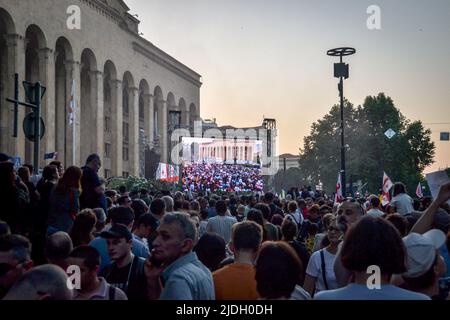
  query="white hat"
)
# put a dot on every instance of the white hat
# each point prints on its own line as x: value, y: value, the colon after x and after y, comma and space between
x: 421, y: 251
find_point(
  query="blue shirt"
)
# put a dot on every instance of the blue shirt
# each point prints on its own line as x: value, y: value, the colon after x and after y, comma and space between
x: 212, y: 212
x: 355, y: 291
x: 187, y: 279
x: 138, y: 249
x: 446, y: 256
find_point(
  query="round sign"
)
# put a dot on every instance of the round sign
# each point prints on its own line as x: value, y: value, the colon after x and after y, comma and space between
x: 28, y: 127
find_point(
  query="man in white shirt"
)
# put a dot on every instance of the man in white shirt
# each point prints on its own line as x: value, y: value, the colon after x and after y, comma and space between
x: 375, y: 210
x: 221, y: 224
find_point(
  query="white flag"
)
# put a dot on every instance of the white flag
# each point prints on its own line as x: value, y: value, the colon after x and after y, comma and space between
x: 338, y: 197
x: 419, y: 192
x: 387, y: 185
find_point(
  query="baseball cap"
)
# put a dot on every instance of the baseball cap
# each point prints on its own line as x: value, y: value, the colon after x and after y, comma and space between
x: 421, y: 251
x: 121, y: 215
x: 117, y: 231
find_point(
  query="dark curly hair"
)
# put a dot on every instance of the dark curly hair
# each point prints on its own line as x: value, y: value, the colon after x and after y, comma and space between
x: 278, y: 270
x: 374, y: 241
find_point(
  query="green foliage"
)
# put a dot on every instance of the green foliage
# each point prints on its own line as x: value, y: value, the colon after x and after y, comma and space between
x: 136, y: 183
x: 403, y: 158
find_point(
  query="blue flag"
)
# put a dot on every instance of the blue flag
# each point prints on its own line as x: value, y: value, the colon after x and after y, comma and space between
x: 51, y: 156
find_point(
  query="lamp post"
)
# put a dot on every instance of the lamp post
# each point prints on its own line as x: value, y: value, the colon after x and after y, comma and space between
x: 341, y: 72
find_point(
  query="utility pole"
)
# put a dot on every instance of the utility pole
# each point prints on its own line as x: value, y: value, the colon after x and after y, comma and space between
x: 34, y: 92
x: 341, y: 72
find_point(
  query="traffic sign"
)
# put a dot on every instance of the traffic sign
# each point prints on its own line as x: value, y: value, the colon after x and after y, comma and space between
x: 28, y: 127
x: 390, y: 133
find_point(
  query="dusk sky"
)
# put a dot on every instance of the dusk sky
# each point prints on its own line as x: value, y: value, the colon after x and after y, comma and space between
x: 268, y: 58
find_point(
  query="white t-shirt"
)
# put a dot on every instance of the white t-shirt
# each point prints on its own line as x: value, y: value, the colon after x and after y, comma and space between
x: 403, y: 203
x: 221, y: 225
x: 375, y: 213
x: 314, y: 270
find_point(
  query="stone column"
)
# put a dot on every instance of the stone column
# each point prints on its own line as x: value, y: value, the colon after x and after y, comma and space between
x: 149, y: 113
x: 15, y: 44
x: 47, y: 72
x: 134, y: 132
x: 73, y: 78
x: 60, y: 110
x: 97, y: 134
x: 165, y: 129
x: 185, y: 118
x: 116, y: 129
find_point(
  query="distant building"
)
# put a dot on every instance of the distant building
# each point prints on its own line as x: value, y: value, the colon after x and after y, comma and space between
x: 231, y: 144
x: 129, y: 93
x: 287, y: 161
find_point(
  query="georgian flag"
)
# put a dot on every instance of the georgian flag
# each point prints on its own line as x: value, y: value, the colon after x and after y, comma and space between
x: 161, y: 173
x: 338, y: 197
x: 387, y: 185
x: 419, y: 192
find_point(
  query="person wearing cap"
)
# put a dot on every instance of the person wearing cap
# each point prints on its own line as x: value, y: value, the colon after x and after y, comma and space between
x: 144, y: 227
x: 174, y: 271
x: 124, y: 216
x: 424, y: 263
x: 432, y: 216
x: 126, y: 271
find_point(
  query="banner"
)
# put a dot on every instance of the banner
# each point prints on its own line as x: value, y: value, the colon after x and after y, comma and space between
x: 167, y: 173
x: 435, y: 181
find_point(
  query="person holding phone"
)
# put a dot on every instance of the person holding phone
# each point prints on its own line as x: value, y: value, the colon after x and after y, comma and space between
x: 173, y: 270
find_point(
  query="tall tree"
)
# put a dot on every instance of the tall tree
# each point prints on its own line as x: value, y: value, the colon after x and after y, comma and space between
x: 370, y: 152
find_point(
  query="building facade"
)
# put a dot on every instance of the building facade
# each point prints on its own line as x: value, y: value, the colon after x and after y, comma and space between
x: 128, y: 92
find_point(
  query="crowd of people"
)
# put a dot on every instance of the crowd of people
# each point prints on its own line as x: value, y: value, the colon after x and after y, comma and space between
x: 198, y: 245
x: 223, y: 178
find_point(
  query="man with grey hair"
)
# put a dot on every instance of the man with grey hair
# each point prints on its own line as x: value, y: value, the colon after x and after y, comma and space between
x: 15, y: 260
x: 169, y: 203
x: 174, y: 271
x: 57, y: 249
x: 46, y: 282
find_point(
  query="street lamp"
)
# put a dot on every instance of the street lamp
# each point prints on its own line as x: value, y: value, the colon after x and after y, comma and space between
x: 341, y: 72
